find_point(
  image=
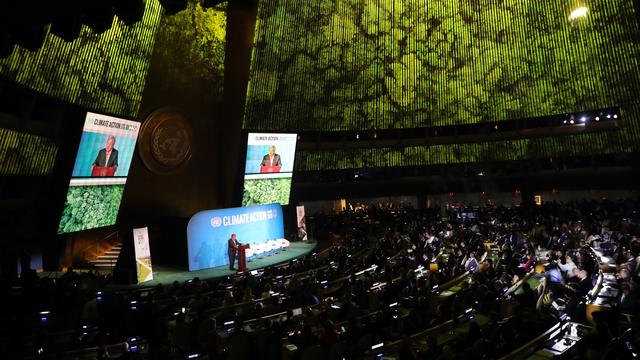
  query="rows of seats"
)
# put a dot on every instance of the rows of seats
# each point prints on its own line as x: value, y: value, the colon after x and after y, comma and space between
x: 556, y: 280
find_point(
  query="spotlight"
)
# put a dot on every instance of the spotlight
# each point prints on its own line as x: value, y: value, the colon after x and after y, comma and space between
x: 583, y: 119
x: 608, y: 116
x: 572, y: 122
x: 597, y: 118
x: 615, y: 116
x: 580, y: 12
x: 564, y: 122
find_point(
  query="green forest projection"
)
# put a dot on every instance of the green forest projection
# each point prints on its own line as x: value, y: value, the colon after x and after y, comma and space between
x: 331, y: 65
x: 266, y: 191
x: 89, y: 207
x: 103, y: 72
x: 522, y: 149
x: 26, y: 154
x: 377, y: 64
x: 190, y: 50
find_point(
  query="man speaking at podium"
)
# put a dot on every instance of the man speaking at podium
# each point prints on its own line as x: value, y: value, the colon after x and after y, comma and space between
x: 232, y: 250
x: 271, y: 159
x: 107, y: 158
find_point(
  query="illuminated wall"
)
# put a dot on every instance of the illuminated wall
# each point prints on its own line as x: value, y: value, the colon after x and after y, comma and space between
x: 26, y: 154
x: 379, y: 64
x: 356, y: 64
x: 102, y: 72
x: 190, y: 50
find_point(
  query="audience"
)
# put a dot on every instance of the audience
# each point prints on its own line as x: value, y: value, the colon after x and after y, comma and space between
x: 381, y: 274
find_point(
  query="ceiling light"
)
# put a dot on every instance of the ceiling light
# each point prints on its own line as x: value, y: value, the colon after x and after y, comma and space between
x: 580, y: 12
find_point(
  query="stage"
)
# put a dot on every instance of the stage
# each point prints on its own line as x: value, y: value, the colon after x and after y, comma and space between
x: 167, y: 275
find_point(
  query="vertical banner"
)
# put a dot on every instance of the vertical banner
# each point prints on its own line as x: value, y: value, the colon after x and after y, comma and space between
x: 302, y: 225
x: 143, y: 254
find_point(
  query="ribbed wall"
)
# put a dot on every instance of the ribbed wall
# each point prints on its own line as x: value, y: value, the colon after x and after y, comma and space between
x: 332, y: 65
x: 102, y: 72
x: 26, y: 154
x: 364, y: 64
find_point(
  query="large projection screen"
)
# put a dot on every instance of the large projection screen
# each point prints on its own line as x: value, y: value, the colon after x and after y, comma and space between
x: 268, y: 168
x: 100, y: 173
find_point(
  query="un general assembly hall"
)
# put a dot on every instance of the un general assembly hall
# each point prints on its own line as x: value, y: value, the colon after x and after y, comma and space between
x: 320, y: 180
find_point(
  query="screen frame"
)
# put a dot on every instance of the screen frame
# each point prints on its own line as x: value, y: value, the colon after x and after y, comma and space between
x: 238, y: 189
x: 69, y: 166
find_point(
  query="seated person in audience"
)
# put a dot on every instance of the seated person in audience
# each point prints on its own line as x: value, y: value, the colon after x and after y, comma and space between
x: 472, y: 264
x: 627, y: 300
x: 567, y: 265
x: 527, y: 263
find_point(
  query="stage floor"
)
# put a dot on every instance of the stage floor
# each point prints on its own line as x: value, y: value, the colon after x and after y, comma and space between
x: 167, y: 275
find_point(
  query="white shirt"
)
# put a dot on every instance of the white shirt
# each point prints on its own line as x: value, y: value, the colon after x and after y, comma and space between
x: 106, y: 160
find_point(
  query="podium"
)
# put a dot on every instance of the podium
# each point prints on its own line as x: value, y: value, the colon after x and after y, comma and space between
x: 270, y: 169
x: 242, y: 259
x: 103, y: 171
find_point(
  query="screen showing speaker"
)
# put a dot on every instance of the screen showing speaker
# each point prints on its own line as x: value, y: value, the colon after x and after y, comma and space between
x: 99, y: 173
x: 268, y: 168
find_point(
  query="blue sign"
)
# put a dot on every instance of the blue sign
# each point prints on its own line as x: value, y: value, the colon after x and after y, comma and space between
x: 208, y: 232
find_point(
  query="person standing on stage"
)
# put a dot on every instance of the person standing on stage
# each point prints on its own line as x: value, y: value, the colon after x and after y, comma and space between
x: 232, y: 250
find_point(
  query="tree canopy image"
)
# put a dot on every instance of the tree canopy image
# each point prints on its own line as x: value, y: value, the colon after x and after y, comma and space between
x: 380, y: 64
x: 103, y: 72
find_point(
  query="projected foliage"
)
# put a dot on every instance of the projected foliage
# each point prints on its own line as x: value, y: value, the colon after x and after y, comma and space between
x: 191, y: 48
x: 266, y: 191
x: 26, y: 154
x: 378, y: 64
x: 103, y: 72
x: 89, y: 207
x: 522, y: 149
x: 365, y: 64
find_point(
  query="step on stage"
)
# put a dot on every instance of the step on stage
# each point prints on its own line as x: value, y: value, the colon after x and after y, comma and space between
x: 167, y: 275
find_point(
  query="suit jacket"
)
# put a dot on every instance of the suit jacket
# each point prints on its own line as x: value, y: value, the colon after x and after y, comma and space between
x: 102, y: 157
x: 231, y: 249
x: 276, y: 160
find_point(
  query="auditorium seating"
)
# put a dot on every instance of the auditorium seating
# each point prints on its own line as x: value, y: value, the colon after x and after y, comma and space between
x: 375, y: 290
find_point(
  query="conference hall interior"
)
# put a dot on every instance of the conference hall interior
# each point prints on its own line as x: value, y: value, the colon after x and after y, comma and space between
x: 326, y: 179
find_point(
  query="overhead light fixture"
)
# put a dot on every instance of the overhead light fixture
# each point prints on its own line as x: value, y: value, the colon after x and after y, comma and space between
x: 579, y: 13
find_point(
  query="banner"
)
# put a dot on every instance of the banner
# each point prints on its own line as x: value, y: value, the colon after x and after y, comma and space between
x: 143, y: 254
x: 302, y: 224
x: 208, y: 232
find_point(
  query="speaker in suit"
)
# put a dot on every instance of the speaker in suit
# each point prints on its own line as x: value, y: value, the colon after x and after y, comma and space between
x: 232, y: 250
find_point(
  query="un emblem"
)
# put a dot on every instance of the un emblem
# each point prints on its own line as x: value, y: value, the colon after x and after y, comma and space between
x: 216, y: 222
